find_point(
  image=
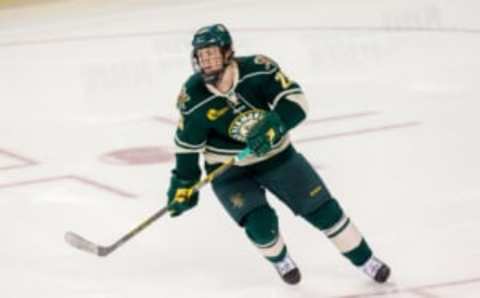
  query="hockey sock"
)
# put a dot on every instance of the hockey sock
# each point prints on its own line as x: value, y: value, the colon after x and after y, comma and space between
x: 261, y: 226
x: 332, y: 221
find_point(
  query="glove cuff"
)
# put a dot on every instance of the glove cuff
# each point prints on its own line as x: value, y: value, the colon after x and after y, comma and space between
x: 184, y: 183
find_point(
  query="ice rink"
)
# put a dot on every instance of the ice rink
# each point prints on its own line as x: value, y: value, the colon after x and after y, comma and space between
x: 87, y: 117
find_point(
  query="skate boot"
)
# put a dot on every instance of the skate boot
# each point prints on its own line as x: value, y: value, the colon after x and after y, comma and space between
x: 376, y: 269
x: 288, y: 270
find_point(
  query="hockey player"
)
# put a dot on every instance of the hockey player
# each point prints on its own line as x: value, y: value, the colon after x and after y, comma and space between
x: 232, y: 102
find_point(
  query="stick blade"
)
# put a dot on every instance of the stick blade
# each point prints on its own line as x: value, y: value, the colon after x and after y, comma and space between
x: 81, y: 243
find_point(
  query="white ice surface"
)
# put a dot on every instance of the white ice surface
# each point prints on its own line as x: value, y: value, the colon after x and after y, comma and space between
x: 79, y: 79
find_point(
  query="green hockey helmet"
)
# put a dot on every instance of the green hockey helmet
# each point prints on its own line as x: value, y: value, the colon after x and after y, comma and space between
x: 213, y: 35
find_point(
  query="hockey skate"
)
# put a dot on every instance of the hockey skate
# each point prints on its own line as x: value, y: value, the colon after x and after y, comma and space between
x: 288, y: 270
x: 376, y: 269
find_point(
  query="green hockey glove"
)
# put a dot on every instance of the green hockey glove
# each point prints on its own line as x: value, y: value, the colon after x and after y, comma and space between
x: 265, y: 133
x: 180, y: 196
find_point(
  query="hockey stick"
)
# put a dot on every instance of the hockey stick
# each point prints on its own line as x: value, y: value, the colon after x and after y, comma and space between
x: 81, y: 243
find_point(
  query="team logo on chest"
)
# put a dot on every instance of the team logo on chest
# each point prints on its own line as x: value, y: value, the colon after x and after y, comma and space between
x: 241, y: 125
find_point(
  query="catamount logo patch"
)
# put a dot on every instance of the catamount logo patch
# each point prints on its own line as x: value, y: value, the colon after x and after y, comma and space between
x: 241, y: 125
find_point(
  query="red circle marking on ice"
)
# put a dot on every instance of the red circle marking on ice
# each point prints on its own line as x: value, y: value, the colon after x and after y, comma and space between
x: 138, y: 156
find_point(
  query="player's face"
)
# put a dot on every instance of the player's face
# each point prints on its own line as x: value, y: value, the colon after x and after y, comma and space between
x: 210, y: 59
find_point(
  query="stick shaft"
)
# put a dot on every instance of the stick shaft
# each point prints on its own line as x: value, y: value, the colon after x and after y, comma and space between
x: 207, y: 179
x: 138, y: 229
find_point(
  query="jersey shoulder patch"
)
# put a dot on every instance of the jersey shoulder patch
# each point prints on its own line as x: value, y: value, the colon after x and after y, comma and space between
x: 192, y: 93
x: 183, y: 98
x: 257, y: 63
x: 266, y: 61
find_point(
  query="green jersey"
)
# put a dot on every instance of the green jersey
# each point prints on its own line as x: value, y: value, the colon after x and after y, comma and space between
x: 216, y: 124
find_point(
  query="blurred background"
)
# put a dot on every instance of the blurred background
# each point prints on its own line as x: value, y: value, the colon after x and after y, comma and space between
x: 87, y: 115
